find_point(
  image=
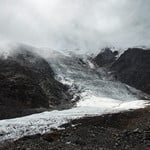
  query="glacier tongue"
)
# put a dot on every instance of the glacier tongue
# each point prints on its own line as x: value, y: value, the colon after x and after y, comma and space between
x: 13, y: 129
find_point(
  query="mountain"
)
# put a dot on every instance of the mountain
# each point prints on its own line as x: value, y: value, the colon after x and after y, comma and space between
x: 133, y: 68
x: 27, y: 85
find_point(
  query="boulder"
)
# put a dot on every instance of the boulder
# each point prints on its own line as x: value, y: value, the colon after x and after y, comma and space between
x: 133, y: 68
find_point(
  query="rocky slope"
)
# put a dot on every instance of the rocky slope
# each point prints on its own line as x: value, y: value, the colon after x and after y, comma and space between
x: 133, y: 68
x: 27, y: 85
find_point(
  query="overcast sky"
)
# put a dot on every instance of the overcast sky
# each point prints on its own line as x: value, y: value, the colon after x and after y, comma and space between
x: 71, y: 24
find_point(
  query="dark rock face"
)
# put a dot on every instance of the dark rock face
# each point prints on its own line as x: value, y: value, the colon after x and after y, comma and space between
x: 27, y: 83
x: 105, y: 58
x: 133, y: 68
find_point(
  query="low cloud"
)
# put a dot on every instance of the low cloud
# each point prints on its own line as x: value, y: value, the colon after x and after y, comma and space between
x: 71, y: 24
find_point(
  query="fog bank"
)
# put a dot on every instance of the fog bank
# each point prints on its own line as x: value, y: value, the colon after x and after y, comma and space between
x: 72, y: 24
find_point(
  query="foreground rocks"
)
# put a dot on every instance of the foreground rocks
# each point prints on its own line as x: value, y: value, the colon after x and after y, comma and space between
x: 120, y: 131
x: 27, y: 85
x: 133, y: 68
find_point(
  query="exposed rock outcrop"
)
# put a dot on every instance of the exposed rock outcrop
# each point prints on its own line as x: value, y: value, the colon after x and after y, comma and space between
x: 133, y: 68
x: 105, y: 58
x: 27, y: 85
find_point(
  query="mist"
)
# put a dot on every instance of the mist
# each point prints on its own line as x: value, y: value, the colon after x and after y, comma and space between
x: 75, y: 24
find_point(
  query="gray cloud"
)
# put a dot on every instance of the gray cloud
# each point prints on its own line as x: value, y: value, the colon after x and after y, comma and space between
x: 71, y: 24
